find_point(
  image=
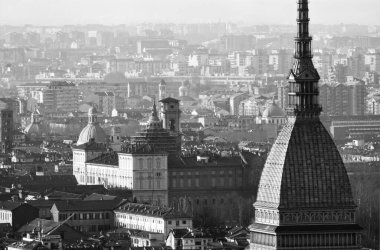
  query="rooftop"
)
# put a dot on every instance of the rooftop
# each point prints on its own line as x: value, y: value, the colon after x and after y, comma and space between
x: 88, y: 205
x: 169, y: 99
x: 150, y: 210
x: 10, y: 205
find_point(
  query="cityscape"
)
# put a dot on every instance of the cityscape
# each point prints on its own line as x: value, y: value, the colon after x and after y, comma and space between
x: 173, y: 134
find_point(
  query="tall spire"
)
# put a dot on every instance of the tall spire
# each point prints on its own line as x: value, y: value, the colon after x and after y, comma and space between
x: 154, y: 121
x: 304, y: 199
x: 154, y: 109
x: 303, y: 40
x: 303, y: 77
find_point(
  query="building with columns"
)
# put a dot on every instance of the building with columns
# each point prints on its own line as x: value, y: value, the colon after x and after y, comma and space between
x: 304, y: 200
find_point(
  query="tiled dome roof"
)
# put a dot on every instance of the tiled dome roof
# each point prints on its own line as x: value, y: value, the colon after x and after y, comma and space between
x: 92, y: 131
x: 274, y: 111
x: 304, y: 170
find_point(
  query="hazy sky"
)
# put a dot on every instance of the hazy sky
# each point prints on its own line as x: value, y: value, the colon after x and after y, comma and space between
x: 57, y: 12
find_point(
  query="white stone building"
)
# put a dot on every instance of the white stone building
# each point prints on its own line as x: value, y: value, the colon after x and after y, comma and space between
x: 150, y: 218
x: 139, y: 169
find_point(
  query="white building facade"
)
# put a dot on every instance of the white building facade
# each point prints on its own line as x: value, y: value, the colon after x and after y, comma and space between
x: 149, y: 218
x: 141, y: 170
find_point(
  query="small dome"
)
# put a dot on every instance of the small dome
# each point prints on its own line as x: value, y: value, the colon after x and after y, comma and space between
x: 274, y: 111
x: 92, y: 131
x: 115, y: 78
x: 162, y: 82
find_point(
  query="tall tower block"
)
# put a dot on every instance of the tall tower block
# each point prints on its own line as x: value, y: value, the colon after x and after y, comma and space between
x: 304, y: 199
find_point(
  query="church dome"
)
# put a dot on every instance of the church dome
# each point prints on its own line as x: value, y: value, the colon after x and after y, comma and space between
x: 92, y: 131
x: 274, y: 111
x: 115, y: 78
x: 154, y: 122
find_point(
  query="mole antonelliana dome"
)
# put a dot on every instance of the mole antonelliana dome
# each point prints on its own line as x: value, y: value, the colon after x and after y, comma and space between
x: 92, y: 130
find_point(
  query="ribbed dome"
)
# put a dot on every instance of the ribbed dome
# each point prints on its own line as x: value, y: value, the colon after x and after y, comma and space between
x: 92, y: 131
x: 274, y: 111
x: 304, y: 170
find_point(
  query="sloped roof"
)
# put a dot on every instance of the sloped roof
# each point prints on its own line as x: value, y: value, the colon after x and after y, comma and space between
x: 109, y: 158
x: 39, y: 224
x: 39, y: 182
x: 151, y: 210
x: 10, y: 205
x: 169, y: 99
x: 96, y: 196
x: 88, y: 205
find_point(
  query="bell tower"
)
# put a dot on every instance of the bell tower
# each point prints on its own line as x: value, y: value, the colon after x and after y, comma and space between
x: 171, y: 118
x: 171, y: 114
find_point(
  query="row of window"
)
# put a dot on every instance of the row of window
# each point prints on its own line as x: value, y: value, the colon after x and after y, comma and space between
x: 5, y: 216
x: 177, y: 222
x: 221, y: 172
x: 85, y: 216
x: 215, y: 182
x: 130, y: 217
x: 92, y: 228
x: 138, y: 227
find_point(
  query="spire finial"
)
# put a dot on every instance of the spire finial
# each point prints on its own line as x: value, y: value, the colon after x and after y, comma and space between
x: 303, y: 77
x: 154, y: 110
